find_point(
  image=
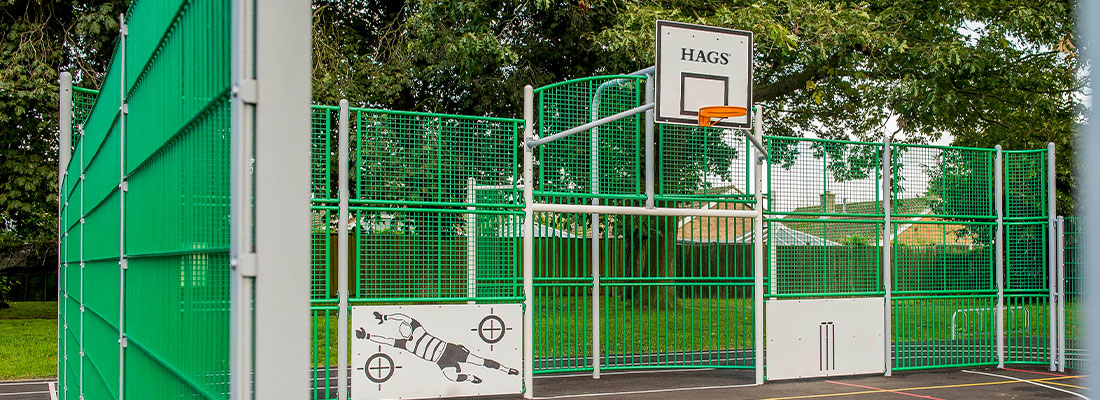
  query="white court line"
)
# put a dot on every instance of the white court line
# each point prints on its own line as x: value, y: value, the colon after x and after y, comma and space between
x: 53, y: 390
x: 1031, y: 382
x: 21, y: 393
x: 581, y: 375
x: 685, y: 389
x: 10, y: 383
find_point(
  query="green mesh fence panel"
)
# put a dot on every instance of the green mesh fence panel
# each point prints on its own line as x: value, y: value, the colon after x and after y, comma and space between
x: 175, y: 164
x: 1027, y: 302
x: 823, y: 257
x: 494, y: 248
x: 323, y: 123
x: 460, y: 173
x: 674, y: 291
x: 1026, y: 256
x: 83, y: 101
x: 605, y: 160
x: 434, y: 216
x: 944, y: 293
x: 701, y: 163
x: 1026, y: 322
x: 946, y: 257
x: 944, y: 331
x: 425, y: 255
x: 1074, y: 292
x: 942, y: 181
x: 1025, y: 184
x: 430, y: 159
x: 323, y: 242
x: 813, y: 177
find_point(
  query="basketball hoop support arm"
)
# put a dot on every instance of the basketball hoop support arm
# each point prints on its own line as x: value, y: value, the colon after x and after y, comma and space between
x: 756, y: 142
x: 602, y: 121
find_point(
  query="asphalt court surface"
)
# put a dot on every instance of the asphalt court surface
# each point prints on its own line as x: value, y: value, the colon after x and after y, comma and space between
x: 27, y: 390
x: 1015, y: 382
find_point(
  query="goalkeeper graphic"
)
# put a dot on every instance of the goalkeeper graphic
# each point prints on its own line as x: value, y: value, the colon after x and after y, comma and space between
x: 412, y: 337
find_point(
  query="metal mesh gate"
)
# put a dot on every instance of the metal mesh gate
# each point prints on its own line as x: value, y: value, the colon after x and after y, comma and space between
x: 672, y: 291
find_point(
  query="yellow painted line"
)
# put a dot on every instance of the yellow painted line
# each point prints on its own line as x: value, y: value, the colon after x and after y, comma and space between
x: 815, y: 396
x: 1067, y: 385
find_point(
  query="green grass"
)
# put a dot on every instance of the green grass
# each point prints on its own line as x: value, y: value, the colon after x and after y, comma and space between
x: 28, y: 340
x: 30, y: 310
x: 563, y: 325
x: 690, y: 325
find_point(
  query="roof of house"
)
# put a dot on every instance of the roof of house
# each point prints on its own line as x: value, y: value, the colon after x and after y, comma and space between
x: 908, y: 233
x: 713, y: 229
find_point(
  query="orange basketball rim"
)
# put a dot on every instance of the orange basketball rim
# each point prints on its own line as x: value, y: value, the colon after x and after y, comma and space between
x: 718, y: 113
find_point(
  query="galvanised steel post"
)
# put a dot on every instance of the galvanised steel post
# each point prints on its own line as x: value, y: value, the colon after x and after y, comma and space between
x: 124, y: 111
x: 1052, y: 258
x: 528, y: 243
x: 1061, y: 279
x: 342, y: 253
x: 887, y: 251
x: 64, y: 149
x: 242, y: 257
x: 594, y: 220
x: 650, y: 148
x: 65, y: 118
x: 269, y: 308
x: 999, y: 266
x: 758, y: 250
x: 471, y: 240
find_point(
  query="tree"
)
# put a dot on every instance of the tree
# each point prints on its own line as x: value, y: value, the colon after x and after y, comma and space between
x: 985, y: 72
x: 1003, y: 72
x: 38, y: 40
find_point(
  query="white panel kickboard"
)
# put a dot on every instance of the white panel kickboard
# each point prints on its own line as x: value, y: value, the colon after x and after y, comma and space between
x: 428, y: 351
x: 825, y: 337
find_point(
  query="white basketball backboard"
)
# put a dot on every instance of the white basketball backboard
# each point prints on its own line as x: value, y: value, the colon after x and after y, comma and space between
x: 700, y: 66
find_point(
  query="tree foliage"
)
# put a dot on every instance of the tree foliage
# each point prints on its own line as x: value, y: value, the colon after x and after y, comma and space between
x: 38, y: 40
x: 986, y: 73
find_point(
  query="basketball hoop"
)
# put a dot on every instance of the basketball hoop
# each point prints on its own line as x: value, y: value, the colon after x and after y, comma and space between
x: 719, y: 112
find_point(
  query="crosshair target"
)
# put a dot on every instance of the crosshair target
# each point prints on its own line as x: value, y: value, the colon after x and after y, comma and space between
x: 379, y: 368
x: 491, y: 329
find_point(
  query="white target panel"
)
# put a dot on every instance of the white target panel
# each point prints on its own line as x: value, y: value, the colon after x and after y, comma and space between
x: 699, y: 66
x: 431, y: 351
